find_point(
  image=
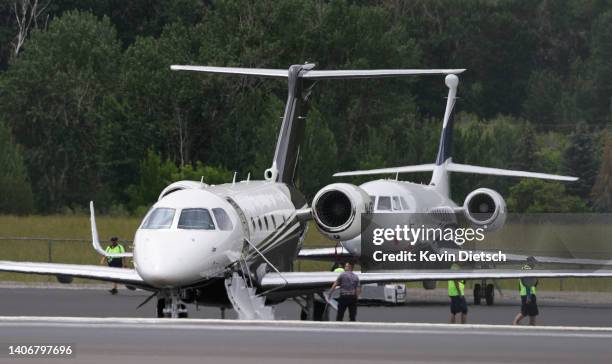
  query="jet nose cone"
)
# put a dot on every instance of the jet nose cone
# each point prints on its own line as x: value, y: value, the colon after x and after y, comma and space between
x: 157, y: 263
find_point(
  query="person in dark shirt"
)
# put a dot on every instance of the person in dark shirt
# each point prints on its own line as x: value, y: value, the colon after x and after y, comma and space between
x: 348, y: 283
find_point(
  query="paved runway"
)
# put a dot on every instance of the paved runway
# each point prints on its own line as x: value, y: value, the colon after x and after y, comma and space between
x: 223, y: 341
x: 421, y: 308
x: 137, y: 340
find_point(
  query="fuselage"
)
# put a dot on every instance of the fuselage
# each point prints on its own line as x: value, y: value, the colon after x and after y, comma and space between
x: 192, y: 235
x: 401, y: 197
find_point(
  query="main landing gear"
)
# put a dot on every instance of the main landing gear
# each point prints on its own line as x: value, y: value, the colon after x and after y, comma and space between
x: 313, y: 308
x: 484, y: 290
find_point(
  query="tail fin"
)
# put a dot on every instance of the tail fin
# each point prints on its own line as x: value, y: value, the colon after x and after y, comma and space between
x: 291, y: 135
x: 439, y: 178
x: 444, y: 161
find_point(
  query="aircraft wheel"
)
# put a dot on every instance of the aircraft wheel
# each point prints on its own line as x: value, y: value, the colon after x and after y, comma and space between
x: 183, y: 314
x: 161, y: 303
x: 490, y: 294
x: 477, y: 294
x: 320, y: 311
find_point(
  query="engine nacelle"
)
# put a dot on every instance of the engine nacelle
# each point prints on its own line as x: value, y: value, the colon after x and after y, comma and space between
x: 485, y: 208
x: 337, y: 210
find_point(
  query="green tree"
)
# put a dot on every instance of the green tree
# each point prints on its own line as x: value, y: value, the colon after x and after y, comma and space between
x: 602, y: 190
x: 52, y: 97
x: 154, y: 175
x: 208, y: 174
x: 16, y: 195
x: 319, y: 158
x: 537, y: 196
x: 525, y: 156
x: 544, y: 93
x: 579, y: 160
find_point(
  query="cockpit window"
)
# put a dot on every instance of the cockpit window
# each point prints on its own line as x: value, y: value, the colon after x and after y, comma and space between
x: 396, y: 203
x: 404, y: 203
x: 199, y: 219
x: 160, y: 218
x: 384, y: 203
x: 223, y: 219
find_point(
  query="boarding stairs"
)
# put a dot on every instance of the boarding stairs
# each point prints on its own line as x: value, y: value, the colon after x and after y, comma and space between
x: 245, y: 300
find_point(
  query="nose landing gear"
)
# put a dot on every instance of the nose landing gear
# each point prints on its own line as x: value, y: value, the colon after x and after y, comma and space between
x: 170, y: 305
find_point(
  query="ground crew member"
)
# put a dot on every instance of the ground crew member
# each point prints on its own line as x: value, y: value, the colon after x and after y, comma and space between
x: 348, y: 282
x: 529, y: 305
x: 114, y: 248
x: 458, y: 304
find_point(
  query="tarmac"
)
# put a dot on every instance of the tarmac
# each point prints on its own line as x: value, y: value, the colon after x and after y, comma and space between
x: 102, y: 328
x: 556, y: 308
x: 229, y: 341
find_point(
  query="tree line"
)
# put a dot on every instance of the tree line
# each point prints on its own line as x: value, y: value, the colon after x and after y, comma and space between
x: 89, y: 108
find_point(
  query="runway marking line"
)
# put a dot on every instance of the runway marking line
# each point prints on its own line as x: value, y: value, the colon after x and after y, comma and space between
x: 301, y: 326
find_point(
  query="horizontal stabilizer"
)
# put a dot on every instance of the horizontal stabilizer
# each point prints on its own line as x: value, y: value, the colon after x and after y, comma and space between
x: 263, y: 72
x: 466, y: 168
x: 405, y: 169
x: 317, y: 75
x: 330, y: 75
x: 460, y: 168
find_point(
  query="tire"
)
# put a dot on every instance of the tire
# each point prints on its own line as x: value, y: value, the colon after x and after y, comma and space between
x: 477, y: 294
x: 490, y: 294
x: 320, y: 312
x: 183, y: 314
x: 161, y: 303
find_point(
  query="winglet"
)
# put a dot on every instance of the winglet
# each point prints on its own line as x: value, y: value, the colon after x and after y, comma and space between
x: 95, y: 240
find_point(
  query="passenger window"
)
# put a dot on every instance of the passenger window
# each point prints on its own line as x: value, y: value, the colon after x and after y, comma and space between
x: 253, y: 222
x: 197, y: 219
x: 404, y: 203
x: 384, y: 203
x: 160, y: 218
x: 273, y: 221
x: 266, y: 221
x: 396, y: 204
x: 259, y: 222
x: 223, y: 219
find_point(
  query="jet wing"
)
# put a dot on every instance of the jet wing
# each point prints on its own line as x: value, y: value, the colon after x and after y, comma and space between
x: 101, y: 273
x: 326, y: 254
x: 293, y: 281
x: 539, y: 259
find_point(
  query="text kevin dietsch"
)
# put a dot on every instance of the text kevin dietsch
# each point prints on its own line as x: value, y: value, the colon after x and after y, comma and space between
x: 412, y: 235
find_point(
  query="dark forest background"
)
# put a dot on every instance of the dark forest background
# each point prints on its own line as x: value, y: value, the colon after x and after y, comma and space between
x: 90, y: 110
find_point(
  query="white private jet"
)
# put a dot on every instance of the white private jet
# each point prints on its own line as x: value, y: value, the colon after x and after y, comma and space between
x: 482, y: 207
x: 234, y: 245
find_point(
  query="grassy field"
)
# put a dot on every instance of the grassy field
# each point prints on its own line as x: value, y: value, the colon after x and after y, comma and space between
x: 73, y: 244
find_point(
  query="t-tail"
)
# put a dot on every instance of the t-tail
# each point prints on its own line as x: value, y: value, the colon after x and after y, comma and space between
x: 444, y: 161
x: 300, y: 79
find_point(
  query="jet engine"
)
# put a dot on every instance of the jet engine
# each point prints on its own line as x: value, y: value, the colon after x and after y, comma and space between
x: 337, y: 210
x: 485, y: 208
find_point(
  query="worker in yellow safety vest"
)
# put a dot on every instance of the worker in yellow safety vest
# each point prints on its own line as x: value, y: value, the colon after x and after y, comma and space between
x: 337, y: 268
x: 114, y: 248
x: 456, y: 292
x: 529, y: 305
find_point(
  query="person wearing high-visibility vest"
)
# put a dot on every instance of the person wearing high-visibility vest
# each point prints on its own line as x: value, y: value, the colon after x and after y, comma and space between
x: 458, y: 304
x: 114, y: 248
x: 529, y: 305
